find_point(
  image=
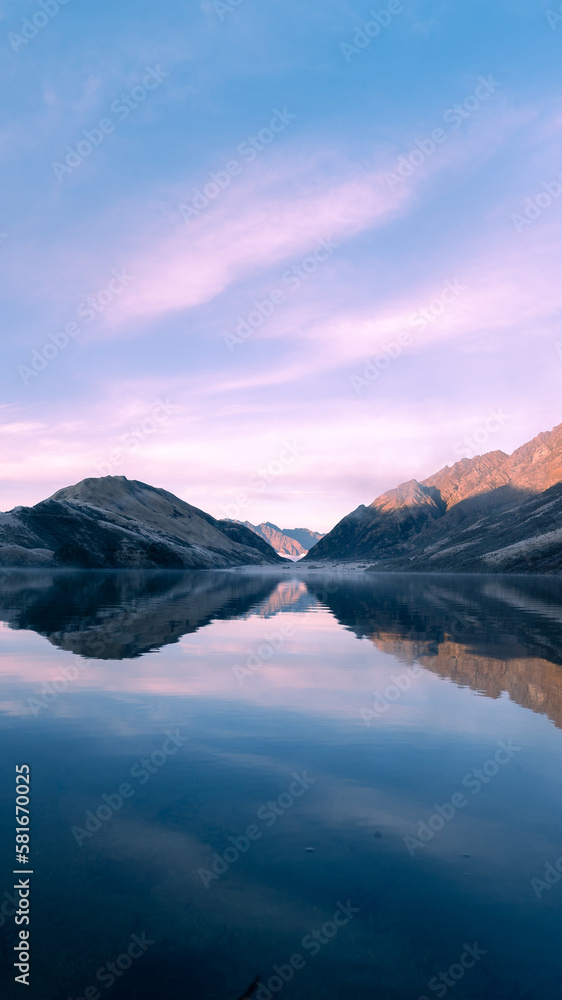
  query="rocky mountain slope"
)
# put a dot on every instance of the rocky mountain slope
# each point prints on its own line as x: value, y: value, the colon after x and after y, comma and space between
x: 293, y: 543
x: 493, y: 513
x: 116, y: 523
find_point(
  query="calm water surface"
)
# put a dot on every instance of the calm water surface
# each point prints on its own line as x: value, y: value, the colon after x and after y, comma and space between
x: 224, y: 762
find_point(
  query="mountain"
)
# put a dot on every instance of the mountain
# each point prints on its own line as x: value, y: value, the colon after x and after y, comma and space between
x: 117, y: 523
x: 292, y: 543
x: 492, y: 513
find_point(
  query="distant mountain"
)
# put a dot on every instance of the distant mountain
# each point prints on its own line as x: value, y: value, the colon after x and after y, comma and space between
x: 116, y: 523
x: 292, y: 543
x: 496, y: 512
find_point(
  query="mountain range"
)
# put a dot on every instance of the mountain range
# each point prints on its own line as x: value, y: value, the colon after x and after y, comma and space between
x: 116, y: 523
x: 493, y: 513
x: 292, y: 543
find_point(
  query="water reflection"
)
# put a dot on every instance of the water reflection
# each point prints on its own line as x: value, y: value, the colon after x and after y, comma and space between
x: 493, y: 635
x: 120, y: 615
x: 158, y: 654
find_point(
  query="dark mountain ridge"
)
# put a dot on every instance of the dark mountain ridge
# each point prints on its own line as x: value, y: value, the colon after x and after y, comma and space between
x: 116, y: 523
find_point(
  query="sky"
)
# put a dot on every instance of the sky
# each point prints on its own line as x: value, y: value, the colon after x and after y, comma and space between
x: 276, y: 257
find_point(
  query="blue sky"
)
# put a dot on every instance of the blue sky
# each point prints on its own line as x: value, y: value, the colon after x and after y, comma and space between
x: 367, y: 203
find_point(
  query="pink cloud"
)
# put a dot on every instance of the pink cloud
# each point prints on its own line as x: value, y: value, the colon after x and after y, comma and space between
x: 274, y: 216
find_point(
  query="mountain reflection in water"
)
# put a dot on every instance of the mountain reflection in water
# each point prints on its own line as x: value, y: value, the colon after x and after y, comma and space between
x: 490, y: 634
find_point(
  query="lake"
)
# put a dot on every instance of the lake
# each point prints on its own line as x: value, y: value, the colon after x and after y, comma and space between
x: 284, y: 784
